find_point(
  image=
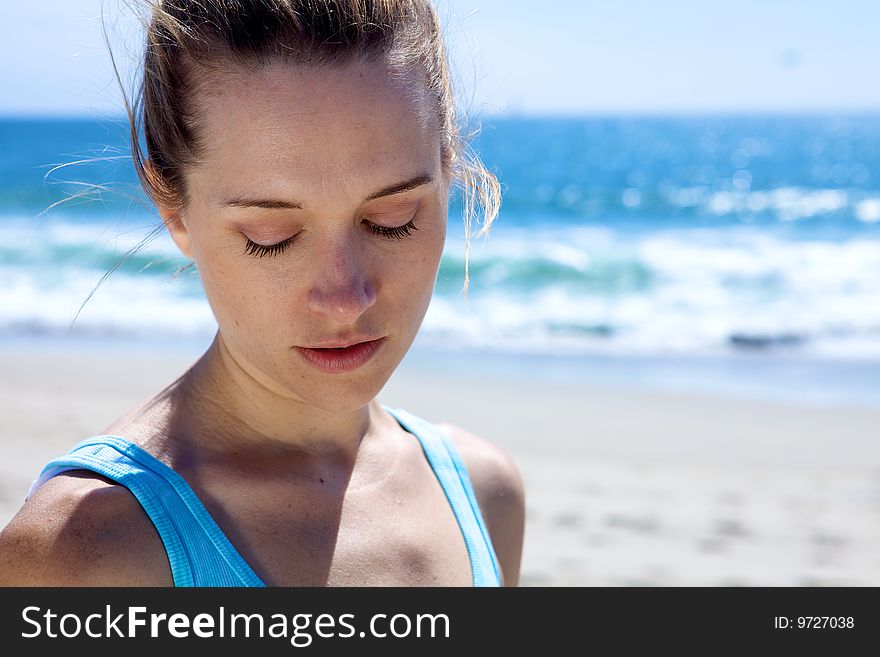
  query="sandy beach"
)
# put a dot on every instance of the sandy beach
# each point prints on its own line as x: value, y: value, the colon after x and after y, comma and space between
x: 624, y: 487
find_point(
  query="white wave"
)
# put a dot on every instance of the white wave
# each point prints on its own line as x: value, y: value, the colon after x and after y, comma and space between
x: 123, y: 304
x: 706, y: 286
x: 40, y: 236
x: 868, y: 210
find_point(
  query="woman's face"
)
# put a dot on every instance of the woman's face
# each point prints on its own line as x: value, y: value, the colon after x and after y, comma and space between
x: 343, y: 166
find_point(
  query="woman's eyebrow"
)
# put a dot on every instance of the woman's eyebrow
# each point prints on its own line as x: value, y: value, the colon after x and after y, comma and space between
x: 272, y: 204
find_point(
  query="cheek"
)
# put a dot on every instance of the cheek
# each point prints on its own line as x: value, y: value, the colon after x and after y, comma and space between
x: 412, y: 281
x: 418, y: 258
x: 242, y: 294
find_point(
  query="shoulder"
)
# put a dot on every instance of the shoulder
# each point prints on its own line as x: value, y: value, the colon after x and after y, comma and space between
x: 500, y: 493
x: 81, y: 529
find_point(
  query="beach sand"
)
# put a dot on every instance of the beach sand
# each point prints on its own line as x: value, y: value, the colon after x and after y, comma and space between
x: 624, y: 487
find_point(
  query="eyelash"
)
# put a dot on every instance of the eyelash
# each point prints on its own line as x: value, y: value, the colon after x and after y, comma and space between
x: 397, y: 232
x: 260, y: 250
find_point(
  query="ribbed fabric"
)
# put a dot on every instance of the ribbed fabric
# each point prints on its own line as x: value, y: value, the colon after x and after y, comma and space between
x: 199, y: 552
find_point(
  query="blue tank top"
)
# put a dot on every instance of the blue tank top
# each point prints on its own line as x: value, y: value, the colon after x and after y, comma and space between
x: 199, y: 552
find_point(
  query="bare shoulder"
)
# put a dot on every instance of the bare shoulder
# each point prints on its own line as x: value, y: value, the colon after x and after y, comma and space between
x: 500, y: 493
x: 81, y: 529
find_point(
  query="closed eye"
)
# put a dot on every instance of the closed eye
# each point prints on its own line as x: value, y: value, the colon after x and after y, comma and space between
x: 260, y: 250
x: 396, y: 232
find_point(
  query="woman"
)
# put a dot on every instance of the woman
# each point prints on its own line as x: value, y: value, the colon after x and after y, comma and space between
x: 302, y: 154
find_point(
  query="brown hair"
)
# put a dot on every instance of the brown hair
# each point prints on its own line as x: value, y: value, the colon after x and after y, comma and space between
x: 184, y: 37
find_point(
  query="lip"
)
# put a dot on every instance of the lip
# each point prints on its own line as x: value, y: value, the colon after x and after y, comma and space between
x: 341, y: 357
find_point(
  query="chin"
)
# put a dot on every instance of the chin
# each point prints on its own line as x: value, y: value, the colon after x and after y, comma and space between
x: 341, y: 398
x: 340, y: 392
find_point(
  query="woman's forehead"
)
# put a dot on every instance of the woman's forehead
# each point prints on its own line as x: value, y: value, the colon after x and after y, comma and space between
x: 293, y: 107
x: 316, y: 124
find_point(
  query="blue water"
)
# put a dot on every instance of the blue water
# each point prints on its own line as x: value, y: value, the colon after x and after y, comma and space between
x: 692, y: 237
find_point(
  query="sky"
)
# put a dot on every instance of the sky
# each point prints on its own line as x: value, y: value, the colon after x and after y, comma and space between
x: 571, y: 57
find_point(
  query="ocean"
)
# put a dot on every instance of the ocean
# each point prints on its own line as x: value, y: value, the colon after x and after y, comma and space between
x: 688, y: 241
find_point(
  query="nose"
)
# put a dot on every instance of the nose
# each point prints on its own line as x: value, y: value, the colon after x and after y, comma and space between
x: 342, y: 289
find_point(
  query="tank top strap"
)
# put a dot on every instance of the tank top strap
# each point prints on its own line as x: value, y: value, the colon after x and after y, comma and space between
x: 199, y: 553
x: 445, y: 460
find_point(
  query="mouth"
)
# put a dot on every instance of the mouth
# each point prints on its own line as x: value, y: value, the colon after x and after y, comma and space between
x: 339, y: 359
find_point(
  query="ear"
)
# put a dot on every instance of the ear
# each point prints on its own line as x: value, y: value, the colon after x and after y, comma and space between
x: 171, y: 216
x: 173, y: 221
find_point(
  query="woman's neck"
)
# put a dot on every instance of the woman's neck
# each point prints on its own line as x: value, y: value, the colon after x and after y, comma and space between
x: 218, y: 412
